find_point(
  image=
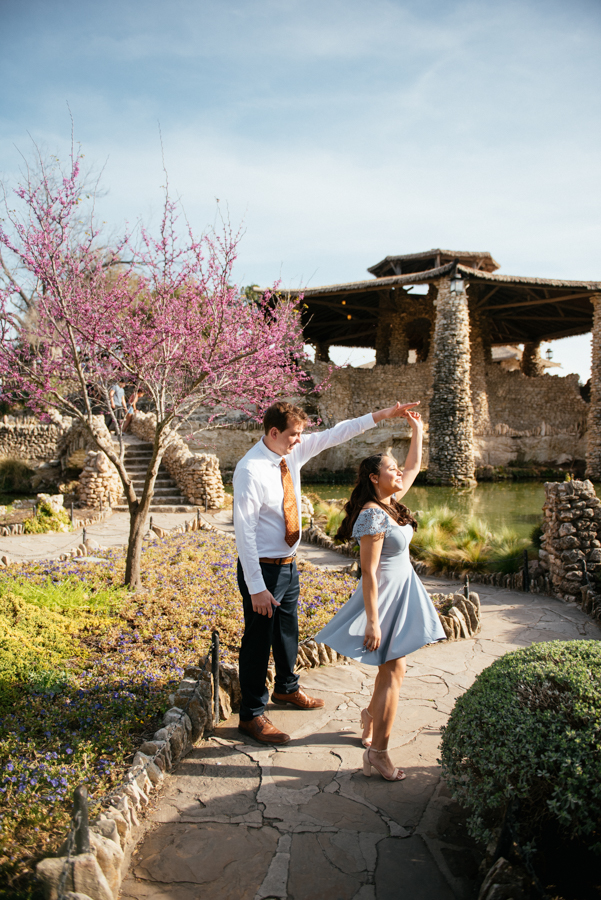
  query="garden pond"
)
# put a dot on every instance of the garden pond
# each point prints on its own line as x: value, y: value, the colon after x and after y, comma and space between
x: 515, y: 505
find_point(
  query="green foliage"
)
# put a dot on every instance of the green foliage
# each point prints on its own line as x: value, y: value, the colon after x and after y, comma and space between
x: 444, y: 541
x: 536, y: 536
x: 329, y: 516
x: 38, y: 628
x: 442, y: 518
x: 529, y: 730
x: 15, y: 476
x: 47, y: 519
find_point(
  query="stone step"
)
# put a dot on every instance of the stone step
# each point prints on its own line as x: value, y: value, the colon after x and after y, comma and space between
x: 162, y: 508
x: 141, y: 478
x: 166, y: 491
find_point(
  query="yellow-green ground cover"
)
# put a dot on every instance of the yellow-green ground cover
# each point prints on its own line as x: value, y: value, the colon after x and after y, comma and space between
x: 86, y: 669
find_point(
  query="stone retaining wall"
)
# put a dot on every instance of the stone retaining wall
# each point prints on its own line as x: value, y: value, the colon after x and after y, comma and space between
x: 99, y: 482
x: 197, y: 475
x: 570, y: 546
x: 32, y: 441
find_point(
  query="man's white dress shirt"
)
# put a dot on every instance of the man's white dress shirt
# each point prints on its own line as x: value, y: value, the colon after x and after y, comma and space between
x: 259, y: 496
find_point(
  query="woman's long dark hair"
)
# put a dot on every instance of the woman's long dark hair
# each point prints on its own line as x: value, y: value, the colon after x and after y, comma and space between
x: 363, y: 492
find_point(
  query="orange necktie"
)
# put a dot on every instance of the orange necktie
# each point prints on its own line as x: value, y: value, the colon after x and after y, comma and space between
x: 290, y: 507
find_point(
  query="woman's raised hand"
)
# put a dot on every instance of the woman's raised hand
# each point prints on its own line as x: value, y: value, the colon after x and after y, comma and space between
x: 414, y: 419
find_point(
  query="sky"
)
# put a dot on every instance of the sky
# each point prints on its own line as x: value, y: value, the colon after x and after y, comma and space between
x: 333, y: 132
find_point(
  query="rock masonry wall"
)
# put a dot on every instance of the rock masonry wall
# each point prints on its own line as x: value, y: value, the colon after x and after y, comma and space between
x: 570, y: 537
x: 32, y: 440
x: 99, y: 483
x: 197, y: 475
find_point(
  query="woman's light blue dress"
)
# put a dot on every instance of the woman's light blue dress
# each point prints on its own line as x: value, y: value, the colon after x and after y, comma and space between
x: 408, y: 619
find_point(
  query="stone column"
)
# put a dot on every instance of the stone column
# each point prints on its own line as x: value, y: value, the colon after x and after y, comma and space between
x: 399, y: 345
x: 570, y: 536
x: 478, y: 376
x: 593, y: 452
x: 532, y: 364
x: 322, y: 351
x: 451, y: 414
x: 385, y: 313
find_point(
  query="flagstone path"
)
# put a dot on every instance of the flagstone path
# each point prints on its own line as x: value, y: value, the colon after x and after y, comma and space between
x: 241, y: 821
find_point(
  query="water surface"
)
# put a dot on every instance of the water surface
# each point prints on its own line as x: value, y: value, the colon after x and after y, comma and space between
x: 517, y: 505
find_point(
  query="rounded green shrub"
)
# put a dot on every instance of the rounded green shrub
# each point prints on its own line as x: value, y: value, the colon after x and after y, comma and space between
x: 529, y: 730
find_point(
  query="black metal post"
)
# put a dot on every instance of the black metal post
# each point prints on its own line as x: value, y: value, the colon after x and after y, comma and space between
x: 83, y: 536
x: 150, y: 525
x: 215, y: 669
x: 587, y: 577
x: 206, y: 503
x: 466, y: 587
x: 198, y: 517
x: 71, y: 512
x: 82, y: 833
x: 526, y: 584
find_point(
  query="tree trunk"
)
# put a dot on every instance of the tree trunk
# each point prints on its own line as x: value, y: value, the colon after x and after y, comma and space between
x: 134, y: 547
x: 138, y: 510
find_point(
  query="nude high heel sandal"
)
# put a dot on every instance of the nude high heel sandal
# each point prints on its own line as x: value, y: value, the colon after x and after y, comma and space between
x: 368, y: 765
x: 365, y: 715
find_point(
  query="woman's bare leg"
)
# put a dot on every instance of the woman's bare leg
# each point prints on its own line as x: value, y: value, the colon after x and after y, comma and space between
x: 383, y: 707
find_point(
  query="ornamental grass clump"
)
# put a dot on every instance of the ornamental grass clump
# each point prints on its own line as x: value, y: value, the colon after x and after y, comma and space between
x: 444, y: 541
x: 526, y: 736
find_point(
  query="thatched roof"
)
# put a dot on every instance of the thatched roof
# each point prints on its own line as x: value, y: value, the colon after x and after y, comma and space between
x: 519, y: 308
x: 409, y: 263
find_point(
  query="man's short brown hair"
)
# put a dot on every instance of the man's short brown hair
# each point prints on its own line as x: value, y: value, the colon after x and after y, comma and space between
x: 282, y: 416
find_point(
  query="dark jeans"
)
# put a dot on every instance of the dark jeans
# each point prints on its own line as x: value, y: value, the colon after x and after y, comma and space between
x: 261, y: 634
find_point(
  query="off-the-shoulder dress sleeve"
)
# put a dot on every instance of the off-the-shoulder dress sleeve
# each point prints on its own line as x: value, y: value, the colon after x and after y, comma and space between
x: 372, y: 521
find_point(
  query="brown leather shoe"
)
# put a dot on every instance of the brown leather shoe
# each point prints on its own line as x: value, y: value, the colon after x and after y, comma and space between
x: 298, y: 699
x: 264, y: 731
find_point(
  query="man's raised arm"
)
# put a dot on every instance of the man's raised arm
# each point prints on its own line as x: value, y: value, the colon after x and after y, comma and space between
x: 314, y: 443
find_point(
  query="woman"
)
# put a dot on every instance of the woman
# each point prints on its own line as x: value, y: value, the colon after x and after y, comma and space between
x: 390, y: 614
x: 132, y: 407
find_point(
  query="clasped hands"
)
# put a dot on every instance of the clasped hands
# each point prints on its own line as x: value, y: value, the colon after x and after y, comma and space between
x: 400, y: 411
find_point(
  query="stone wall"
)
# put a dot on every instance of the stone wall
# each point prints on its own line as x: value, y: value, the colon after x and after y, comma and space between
x: 354, y: 392
x: 497, y: 449
x: 522, y: 404
x: 99, y: 483
x: 570, y: 540
x: 197, y: 475
x: 32, y: 441
x: 546, y: 404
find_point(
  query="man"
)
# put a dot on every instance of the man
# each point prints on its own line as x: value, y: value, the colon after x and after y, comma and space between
x: 117, y: 401
x: 267, y: 525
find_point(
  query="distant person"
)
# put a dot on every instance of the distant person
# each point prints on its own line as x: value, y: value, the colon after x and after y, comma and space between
x: 390, y: 614
x: 267, y: 525
x: 117, y: 401
x: 132, y: 407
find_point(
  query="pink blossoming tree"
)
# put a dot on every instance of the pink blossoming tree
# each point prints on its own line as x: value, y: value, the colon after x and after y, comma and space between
x: 160, y: 312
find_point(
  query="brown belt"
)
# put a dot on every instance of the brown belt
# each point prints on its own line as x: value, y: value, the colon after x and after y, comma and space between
x: 283, y: 561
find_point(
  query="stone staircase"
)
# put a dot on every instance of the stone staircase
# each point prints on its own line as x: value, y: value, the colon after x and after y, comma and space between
x: 167, y: 496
